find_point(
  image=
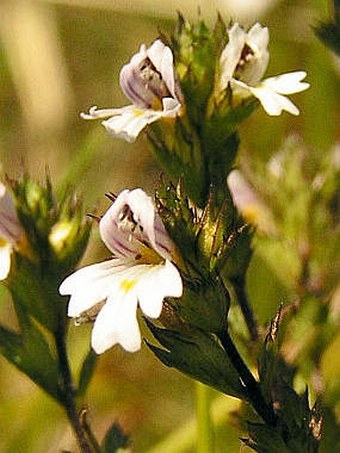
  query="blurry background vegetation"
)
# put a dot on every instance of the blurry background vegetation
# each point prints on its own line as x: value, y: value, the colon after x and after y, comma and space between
x: 60, y: 57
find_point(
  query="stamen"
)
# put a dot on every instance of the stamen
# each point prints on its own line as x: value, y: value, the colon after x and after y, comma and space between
x: 95, y: 114
x: 152, y: 79
x: 127, y: 285
x: 111, y: 196
x: 246, y: 56
x: 95, y: 217
x: 89, y: 315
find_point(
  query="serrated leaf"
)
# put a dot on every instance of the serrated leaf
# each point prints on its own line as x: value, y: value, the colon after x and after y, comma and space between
x: 268, y: 356
x: 198, y: 355
x: 33, y: 295
x: 266, y: 439
x: 329, y: 34
x: 115, y: 440
x: 294, y: 409
x: 30, y: 353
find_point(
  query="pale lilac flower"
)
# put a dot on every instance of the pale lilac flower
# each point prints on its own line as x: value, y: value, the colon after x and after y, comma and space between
x: 140, y: 272
x: 11, y: 232
x: 249, y: 203
x: 149, y: 81
x: 243, y: 63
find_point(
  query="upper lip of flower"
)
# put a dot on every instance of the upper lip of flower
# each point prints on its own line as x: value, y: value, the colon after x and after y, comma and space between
x: 10, y: 227
x: 149, y: 76
x: 140, y: 271
x: 246, y: 55
x: 131, y: 225
x: 149, y: 81
x: 11, y: 231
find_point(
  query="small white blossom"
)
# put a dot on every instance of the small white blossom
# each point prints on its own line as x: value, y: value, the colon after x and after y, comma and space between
x: 149, y: 81
x: 140, y: 272
x: 11, y: 231
x: 243, y: 63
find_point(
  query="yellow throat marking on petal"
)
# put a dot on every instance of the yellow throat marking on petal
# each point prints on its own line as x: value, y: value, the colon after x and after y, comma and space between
x: 138, y: 112
x: 3, y: 242
x: 148, y: 255
x: 127, y: 285
x: 251, y: 214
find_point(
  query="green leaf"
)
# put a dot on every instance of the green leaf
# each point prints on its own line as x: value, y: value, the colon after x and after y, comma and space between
x: 329, y: 34
x: 268, y: 357
x: 30, y: 353
x: 34, y: 293
x: 115, y: 439
x: 86, y: 372
x: 198, y: 355
x: 266, y: 439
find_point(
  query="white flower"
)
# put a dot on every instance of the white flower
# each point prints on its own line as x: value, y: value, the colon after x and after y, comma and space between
x: 243, y: 63
x: 11, y: 231
x: 140, y: 271
x: 149, y: 81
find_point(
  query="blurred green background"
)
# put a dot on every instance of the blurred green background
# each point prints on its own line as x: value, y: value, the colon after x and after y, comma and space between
x: 58, y: 58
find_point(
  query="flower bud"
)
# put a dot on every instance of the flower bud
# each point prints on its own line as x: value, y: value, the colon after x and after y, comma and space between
x: 55, y: 239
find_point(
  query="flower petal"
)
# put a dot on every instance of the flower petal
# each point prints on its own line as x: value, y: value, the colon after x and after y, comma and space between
x: 287, y: 83
x: 258, y: 38
x: 5, y: 260
x: 117, y: 323
x: 146, y: 227
x: 157, y: 283
x: 91, y: 285
x: 231, y: 55
x: 245, y: 56
x: 129, y: 121
x: 162, y: 58
x: 137, y: 81
x: 121, y: 240
x: 10, y: 227
x: 273, y: 103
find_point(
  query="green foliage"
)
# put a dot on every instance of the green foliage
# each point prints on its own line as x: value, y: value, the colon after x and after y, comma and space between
x: 204, y: 305
x: 199, y: 147
x: 300, y: 246
x: 31, y: 354
x: 86, y: 372
x: 329, y: 34
x: 114, y: 440
x: 298, y: 428
x: 196, y: 51
x: 301, y: 190
x: 198, y: 355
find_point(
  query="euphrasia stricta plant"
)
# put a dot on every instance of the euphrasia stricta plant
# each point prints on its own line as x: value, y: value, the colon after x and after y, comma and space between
x: 181, y: 257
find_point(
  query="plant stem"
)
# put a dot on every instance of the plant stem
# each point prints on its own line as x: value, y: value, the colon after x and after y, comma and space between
x: 68, y: 393
x: 204, y: 434
x: 247, y: 311
x: 252, y: 388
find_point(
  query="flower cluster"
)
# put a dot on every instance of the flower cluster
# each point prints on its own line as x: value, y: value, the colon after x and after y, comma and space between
x: 150, y: 81
x: 140, y: 271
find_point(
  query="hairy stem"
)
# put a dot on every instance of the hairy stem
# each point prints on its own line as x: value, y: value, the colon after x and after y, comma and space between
x: 252, y: 388
x: 247, y: 311
x: 68, y: 393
